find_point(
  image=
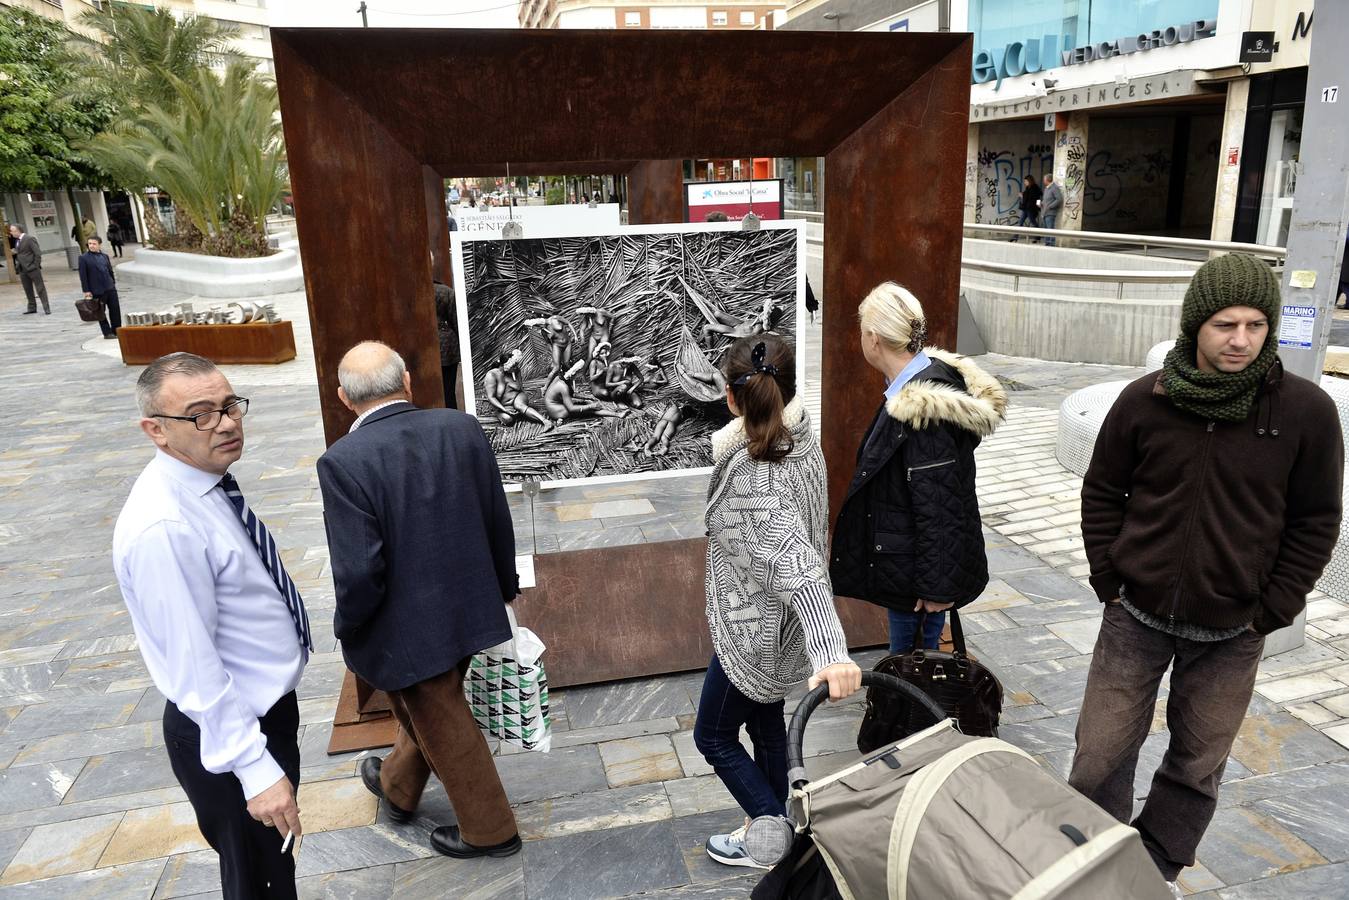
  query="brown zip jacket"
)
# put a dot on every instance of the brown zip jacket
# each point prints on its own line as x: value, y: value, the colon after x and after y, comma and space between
x: 1217, y: 524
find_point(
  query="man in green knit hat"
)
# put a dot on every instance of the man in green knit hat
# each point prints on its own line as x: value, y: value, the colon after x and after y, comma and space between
x: 1210, y: 508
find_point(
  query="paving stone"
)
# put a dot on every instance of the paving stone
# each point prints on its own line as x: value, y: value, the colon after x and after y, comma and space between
x: 737, y: 887
x: 593, y: 812
x: 626, y: 701
x: 599, y: 864
x: 1242, y: 845
x: 100, y: 741
x: 1316, y: 713
x: 1054, y: 612
x: 1080, y: 634
x: 1275, y: 743
x: 10, y: 842
x: 76, y: 715
x: 127, y: 772
x: 61, y: 849
x: 1339, y: 734
x: 1149, y: 760
x: 189, y: 874
x: 599, y: 734
x: 356, y: 848
x: 559, y: 773
x: 1041, y: 736
x: 359, y: 885
x: 154, y: 832
x: 1020, y: 645
x: 692, y: 796
x: 1047, y: 585
x: 35, y: 677
x: 341, y: 803
x: 472, y: 879
x: 1317, y: 817
x: 1011, y: 560
x: 31, y: 787
x: 1299, y: 687
x: 692, y: 832
x: 997, y: 595
x: 1322, y: 882
x: 131, y: 882
x: 640, y: 760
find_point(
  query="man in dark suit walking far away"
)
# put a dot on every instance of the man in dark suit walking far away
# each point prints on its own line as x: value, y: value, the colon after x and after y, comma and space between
x: 423, y: 558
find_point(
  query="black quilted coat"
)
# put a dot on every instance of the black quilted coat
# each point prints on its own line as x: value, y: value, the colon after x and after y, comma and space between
x: 909, y: 527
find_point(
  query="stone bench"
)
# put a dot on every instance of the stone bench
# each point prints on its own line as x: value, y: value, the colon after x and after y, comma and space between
x: 215, y: 276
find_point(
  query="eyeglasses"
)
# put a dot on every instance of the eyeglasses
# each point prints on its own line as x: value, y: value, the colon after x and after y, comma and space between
x: 208, y: 420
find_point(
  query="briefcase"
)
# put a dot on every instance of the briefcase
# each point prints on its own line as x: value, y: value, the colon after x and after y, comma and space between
x: 962, y: 686
x: 89, y: 308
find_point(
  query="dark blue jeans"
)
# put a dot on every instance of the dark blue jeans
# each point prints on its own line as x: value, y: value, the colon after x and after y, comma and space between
x: 903, y: 625
x: 759, y: 785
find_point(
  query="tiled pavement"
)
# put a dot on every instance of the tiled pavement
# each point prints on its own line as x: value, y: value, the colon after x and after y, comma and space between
x: 88, y: 807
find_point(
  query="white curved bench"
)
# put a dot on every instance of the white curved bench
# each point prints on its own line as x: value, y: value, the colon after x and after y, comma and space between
x: 216, y: 276
x: 1157, y: 355
x: 1080, y: 419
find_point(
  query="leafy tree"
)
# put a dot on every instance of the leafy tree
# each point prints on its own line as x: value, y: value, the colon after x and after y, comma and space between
x: 143, y: 52
x: 42, y: 120
x: 216, y: 148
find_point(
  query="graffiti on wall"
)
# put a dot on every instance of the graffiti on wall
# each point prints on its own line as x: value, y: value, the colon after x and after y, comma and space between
x: 1074, y: 175
x: 1002, y: 173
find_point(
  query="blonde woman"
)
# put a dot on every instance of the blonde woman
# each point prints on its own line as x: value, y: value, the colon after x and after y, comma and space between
x: 908, y: 537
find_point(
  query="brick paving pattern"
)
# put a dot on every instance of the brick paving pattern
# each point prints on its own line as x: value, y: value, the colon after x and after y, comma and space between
x: 621, y: 806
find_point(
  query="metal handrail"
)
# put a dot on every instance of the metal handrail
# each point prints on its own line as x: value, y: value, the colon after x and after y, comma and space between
x: 1120, y: 276
x: 1279, y: 254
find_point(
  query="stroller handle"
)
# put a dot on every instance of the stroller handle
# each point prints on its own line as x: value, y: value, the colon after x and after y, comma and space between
x: 796, y: 730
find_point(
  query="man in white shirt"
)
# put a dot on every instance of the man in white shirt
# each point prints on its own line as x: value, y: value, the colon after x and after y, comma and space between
x: 221, y: 626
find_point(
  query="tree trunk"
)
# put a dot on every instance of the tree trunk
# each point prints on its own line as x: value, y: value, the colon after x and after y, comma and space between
x: 9, y: 251
x: 79, y: 219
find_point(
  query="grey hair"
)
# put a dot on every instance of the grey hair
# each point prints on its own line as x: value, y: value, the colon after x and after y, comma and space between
x: 374, y: 384
x: 152, y: 377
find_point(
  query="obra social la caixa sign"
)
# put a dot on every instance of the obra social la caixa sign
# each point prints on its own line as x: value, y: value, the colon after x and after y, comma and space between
x: 1052, y: 50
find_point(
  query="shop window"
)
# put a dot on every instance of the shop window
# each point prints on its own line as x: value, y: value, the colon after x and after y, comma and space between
x: 1281, y: 171
x: 719, y: 18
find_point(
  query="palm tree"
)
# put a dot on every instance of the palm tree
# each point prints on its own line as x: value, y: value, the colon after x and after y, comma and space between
x: 143, y: 52
x: 216, y: 148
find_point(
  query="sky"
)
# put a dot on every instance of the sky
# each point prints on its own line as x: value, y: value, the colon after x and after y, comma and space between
x: 395, y: 13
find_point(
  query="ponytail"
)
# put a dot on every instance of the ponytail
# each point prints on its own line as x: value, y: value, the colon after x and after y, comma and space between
x: 762, y: 374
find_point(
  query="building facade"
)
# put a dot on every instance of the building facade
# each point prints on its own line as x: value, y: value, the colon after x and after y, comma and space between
x: 743, y: 14
x: 1151, y: 116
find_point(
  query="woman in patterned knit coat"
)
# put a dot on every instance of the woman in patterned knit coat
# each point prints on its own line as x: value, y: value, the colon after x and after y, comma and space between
x: 769, y: 602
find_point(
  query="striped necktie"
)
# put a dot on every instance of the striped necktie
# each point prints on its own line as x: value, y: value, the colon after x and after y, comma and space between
x: 262, y: 540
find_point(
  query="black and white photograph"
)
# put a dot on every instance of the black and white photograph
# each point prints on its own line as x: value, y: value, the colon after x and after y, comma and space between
x: 597, y: 358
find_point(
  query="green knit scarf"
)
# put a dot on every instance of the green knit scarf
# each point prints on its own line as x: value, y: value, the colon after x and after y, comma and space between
x: 1217, y: 396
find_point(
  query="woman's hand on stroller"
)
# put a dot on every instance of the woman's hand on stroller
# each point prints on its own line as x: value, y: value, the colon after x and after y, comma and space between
x: 844, y: 680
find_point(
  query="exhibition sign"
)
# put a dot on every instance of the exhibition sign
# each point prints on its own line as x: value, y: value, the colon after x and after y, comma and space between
x: 596, y: 359
x: 734, y: 198
x: 560, y: 220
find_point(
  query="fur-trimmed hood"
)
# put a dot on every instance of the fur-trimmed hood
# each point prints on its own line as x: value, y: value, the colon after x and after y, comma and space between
x: 933, y: 396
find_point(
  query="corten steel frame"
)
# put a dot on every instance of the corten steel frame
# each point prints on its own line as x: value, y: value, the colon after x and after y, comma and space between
x: 375, y: 117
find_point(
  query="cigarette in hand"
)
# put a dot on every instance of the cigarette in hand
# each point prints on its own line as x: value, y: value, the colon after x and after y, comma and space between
x: 285, y: 845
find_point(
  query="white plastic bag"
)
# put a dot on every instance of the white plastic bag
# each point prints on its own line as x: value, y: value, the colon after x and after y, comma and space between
x: 507, y: 690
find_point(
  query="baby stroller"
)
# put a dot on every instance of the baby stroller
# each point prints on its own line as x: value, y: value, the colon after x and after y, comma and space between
x: 943, y: 816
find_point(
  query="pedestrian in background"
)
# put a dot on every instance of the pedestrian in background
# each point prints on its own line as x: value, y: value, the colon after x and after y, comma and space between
x: 98, y: 281
x: 449, y: 343
x: 770, y: 606
x: 115, y: 238
x: 28, y: 260
x: 1051, y: 203
x: 1210, y: 508
x: 909, y: 537
x: 1030, y: 205
x: 423, y: 559
x: 220, y: 625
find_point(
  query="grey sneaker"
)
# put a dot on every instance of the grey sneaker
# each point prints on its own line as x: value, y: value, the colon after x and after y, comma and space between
x: 1175, y: 890
x: 729, y: 849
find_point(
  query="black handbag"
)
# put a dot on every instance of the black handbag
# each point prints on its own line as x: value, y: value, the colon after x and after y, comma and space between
x: 962, y: 686
x: 89, y: 308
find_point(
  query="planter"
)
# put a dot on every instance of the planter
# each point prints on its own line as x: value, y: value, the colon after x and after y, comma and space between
x: 215, y: 276
x: 262, y: 342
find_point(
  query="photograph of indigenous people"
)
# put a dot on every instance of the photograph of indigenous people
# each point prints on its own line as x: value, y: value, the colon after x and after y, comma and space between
x: 598, y: 357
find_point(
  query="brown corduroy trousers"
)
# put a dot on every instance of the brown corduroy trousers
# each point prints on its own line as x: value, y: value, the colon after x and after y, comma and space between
x: 437, y: 734
x: 1211, y: 684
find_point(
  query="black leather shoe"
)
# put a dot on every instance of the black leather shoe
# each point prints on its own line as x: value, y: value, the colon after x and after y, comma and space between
x: 446, y: 839
x: 30, y: 312
x: 370, y: 778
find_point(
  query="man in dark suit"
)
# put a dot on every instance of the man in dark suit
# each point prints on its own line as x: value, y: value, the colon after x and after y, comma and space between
x: 423, y: 559
x: 28, y: 260
x: 98, y: 282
